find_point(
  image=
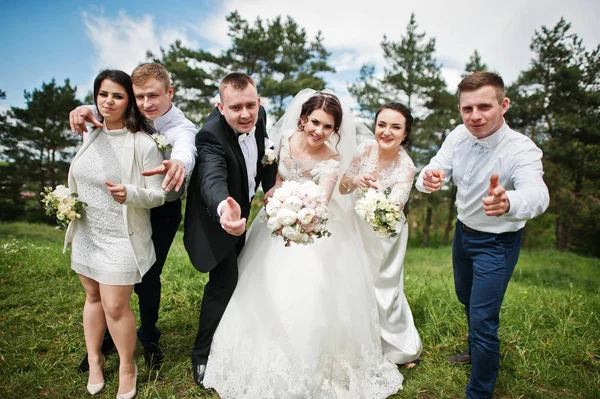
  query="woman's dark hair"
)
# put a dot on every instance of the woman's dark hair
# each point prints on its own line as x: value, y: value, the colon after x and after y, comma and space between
x: 403, y: 109
x: 134, y: 120
x: 328, y: 103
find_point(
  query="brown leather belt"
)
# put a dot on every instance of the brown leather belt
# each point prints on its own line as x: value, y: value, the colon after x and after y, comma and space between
x: 472, y: 231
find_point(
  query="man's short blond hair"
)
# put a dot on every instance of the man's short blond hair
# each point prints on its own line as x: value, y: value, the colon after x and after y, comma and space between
x: 237, y: 80
x: 143, y: 72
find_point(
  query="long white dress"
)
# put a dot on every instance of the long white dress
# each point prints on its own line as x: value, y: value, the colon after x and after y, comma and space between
x: 302, y: 322
x: 399, y: 336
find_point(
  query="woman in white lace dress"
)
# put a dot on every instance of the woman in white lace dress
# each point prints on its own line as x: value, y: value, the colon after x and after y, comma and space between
x: 383, y: 164
x: 302, y: 322
x: 111, y: 244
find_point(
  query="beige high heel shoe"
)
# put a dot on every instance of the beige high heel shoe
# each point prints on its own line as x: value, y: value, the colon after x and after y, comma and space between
x: 95, y: 388
x: 131, y: 394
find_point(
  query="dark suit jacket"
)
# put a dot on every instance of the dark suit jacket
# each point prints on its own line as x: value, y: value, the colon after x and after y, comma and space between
x: 220, y: 172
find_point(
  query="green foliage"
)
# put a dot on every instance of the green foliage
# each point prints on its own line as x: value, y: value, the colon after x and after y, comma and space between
x: 195, y: 76
x: 475, y: 64
x: 277, y: 53
x: 557, y: 103
x: 412, y: 74
x: 37, y: 140
x: 550, y: 340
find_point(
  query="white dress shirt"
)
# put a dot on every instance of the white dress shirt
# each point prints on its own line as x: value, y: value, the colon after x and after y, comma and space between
x: 250, y: 151
x: 471, y: 162
x: 181, y: 133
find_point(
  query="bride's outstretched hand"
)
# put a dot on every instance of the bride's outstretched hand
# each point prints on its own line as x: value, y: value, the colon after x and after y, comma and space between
x: 231, y: 219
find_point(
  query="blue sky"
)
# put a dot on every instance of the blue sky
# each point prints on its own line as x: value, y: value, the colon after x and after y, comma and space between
x: 42, y: 40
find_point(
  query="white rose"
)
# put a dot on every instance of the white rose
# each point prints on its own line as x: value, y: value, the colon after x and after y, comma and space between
x: 61, y: 192
x: 290, y: 233
x: 286, y: 216
x: 71, y: 215
x: 273, y: 224
x: 270, y: 154
x: 306, y: 215
x: 312, y: 190
x: 305, y: 238
x: 321, y: 211
x: 382, y: 231
x: 272, y: 207
x: 64, y: 208
x: 293, y: 203
x: 390, y: 217
x: 360, y: 210
x: 283, y: 192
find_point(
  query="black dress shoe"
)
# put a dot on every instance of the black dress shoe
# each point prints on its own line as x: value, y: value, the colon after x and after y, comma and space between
x: 199, y: 370
x: 108, y: 347
x: 153, y: 356
x: 460, y: 358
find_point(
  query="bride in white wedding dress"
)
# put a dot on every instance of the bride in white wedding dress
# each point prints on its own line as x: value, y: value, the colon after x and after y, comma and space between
x: 303, y: 320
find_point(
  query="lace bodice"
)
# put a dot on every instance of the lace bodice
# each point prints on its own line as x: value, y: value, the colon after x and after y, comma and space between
x: 322, y: 172
x: 398, y: 176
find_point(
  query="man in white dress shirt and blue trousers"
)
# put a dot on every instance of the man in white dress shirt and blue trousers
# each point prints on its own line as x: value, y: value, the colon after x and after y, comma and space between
x: 499, y: 176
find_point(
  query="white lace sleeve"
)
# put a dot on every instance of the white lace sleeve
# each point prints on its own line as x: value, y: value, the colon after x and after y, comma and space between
x: 403, y: 179
x: 327, y: 174
x: 362, y: 153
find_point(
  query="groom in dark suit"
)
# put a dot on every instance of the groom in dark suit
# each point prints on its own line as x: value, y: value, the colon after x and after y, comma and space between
x: 229, y: 168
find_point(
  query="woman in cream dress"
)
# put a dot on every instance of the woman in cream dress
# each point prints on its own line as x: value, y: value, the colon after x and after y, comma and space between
x: 383, y: 163
x: 111, y: 244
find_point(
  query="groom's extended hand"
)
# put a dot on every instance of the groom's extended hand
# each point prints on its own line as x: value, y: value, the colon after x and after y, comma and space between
x: 496, y: 203
x: 231, y: 219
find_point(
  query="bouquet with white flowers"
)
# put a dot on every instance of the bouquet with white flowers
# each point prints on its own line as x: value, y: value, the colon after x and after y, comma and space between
x: 298, y: 212
x: 63, y: 203
x: 161, y: 142
x: 376, y: 208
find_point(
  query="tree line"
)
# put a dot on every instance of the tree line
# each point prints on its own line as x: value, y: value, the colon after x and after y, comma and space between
x: 555, y: 101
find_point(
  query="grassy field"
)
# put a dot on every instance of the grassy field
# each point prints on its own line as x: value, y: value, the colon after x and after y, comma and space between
x: 550, y: 332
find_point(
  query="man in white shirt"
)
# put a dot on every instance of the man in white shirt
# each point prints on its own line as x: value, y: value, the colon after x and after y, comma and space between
x: 153, y: 93
x: 498, y: 173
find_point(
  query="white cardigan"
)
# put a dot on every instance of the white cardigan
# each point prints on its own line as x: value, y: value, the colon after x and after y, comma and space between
x: 139, y: 153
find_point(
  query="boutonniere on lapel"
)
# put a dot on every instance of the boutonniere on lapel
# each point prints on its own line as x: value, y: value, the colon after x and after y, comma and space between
x: 161, y: 142
x: 270, y: 155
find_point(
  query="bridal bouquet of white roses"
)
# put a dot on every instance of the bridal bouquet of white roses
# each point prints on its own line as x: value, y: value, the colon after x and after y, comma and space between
x: 298, y: 212
x: 376, y: 208
x: 62, y: 203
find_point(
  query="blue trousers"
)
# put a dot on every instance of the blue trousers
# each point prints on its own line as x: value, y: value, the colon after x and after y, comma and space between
x: 483, y: 265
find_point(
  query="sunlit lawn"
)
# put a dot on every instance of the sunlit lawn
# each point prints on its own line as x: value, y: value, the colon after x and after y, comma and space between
x: 550, y: 330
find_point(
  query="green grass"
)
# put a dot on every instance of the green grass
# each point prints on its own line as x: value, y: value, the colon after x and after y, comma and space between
x: 550, y: 331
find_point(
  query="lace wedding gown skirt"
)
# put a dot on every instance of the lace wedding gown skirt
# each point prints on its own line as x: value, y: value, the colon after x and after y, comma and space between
x: 303, y: 321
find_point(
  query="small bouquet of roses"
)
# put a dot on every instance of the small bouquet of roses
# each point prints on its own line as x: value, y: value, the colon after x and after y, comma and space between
x: 298, y: 212
x: 161, y: 142
x: 62, y: 203
x: 376, y: 208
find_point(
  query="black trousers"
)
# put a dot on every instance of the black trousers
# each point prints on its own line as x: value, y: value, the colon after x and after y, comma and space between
x: 165, y: 221
x: 217, y: 293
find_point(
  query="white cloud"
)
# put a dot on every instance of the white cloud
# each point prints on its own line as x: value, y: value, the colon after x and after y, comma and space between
x: 122, y: 42
x: 353, y: 30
